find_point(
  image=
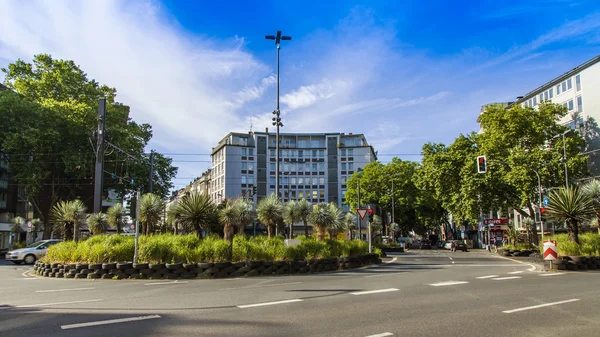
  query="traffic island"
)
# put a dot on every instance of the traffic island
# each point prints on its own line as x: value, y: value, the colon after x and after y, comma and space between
x: 574, y: 263
x: 173, y: 271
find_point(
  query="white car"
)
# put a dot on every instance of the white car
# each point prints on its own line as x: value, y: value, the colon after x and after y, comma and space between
x: 31, y: 253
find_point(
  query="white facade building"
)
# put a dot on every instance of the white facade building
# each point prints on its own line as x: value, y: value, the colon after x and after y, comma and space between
x: 314, y: 166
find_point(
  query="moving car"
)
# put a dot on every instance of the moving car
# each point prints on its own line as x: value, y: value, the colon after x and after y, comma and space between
x: 31, y: 253
x: 425, y: 245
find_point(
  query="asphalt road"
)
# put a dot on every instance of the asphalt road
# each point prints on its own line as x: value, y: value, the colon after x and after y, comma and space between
x: 419, y: 293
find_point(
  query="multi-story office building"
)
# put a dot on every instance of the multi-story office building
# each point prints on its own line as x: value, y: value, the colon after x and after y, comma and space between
x: 314, y: 166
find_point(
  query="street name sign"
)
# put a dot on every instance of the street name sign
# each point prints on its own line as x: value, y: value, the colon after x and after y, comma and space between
x: 362, y: 212
x: 550, y: 250
x: 499, y: 221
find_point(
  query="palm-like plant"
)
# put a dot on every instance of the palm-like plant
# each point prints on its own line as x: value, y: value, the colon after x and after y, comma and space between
x: 350, y: 224
x: 513, y: 235
x: 195, y: 211
x: 393, y: 229
x: 114, y: 217
x: 338, y: 225
x: 245, y: 214
x: 97, y: 223
x: 592, y: 189
x: 151, y: 210
x: 37, y: 227
x: 17, y: 225
x: 270, y: 212
x: 304, y: 209
x: 172, y: 217
x: 376, y: 225
x: 67, y: 216
x: 570, y: 205
x: 322, y: 217
x: 291, y: 214
x: 229, y: 218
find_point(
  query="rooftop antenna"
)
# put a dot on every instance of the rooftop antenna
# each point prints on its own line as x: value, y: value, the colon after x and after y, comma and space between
x: 250, y: 125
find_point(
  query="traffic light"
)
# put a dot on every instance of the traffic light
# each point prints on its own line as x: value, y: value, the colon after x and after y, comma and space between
x: 481, y: 164
x: 370, y: 215
x: 253, y: 193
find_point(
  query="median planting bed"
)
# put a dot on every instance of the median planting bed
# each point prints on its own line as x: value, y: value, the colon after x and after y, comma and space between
x: 187, y: 257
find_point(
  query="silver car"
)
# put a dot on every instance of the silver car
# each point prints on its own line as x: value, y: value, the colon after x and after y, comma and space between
x: 31, y: 253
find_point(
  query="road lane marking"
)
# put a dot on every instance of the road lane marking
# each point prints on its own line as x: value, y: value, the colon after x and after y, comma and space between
x: 447, y: 283
x: 540, y: 306
x: 452, y: 262
x: 516, y: 272
x: 393, y: 260
x: 50, y: 304
x: 387, y: 274
x: 450, y: 258
x: 374, y: 291
x: 506, y: 278
x: 552, y: 274
x: 490, y: 265
x: 58, y: 290
x: 261, y: 286
x: 488, y: 276
x: 109, y: 321
x: 268, y: 303
x: 383, y: 334
x: 162, y: 283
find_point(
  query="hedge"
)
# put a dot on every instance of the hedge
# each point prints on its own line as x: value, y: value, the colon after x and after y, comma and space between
x: 589, y: 245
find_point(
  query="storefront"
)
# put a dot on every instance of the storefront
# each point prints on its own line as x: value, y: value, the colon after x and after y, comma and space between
x: 495, y: 230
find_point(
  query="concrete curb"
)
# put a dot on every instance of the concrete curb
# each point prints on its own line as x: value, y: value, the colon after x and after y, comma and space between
x: 534, y: 266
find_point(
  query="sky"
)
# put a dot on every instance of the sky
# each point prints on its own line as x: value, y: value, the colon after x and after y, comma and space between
x: 404, y: 73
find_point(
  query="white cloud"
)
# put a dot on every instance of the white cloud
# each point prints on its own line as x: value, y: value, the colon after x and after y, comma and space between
x: 309, y: 94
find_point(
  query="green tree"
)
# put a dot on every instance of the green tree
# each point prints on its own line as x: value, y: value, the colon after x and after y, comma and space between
x: 97, y: 223
x: 322, y: 218
x: 115, y: 216
x: 291, y: 214
x: 338, y: 225
x: 269, y: 212
x: 151, y: 211
x: 304, y: 209
x: 244, y: 213
x: 376, y: 226
x: 67, y: 217
x: 47, y: 126
x: 195, y: 212
x: 229, y: 218
x: 350, y: 224
x: 17, y: 226
x: 592, y: 188
x: 571, y: 206
x: 513, y: 235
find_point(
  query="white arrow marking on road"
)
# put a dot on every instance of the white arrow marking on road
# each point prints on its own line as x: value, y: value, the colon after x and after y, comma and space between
x: 449, y: 257
x: 489, y: 276
x: 553, y: 274
x: 393, y: 260
x: 539, y: 306
x: 384, y: 334
x: 447, y: 283
x: 374, y: 291
x: 110, y: 321
x: 58, y: 290
x: 50, y: 304
x: 516, y: 272
x: 506, y: 278
x: 268, y: 303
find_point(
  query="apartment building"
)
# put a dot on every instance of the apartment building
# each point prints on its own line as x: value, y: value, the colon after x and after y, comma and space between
x: 314, y: 166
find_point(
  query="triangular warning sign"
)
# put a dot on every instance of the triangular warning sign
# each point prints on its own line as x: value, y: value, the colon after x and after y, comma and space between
x: 362, y: 212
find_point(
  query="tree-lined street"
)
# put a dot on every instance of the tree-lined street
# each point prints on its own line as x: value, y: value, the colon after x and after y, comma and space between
x: 419, y: 293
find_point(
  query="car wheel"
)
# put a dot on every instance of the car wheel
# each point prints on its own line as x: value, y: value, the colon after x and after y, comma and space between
x: 29, y: 259
x: 17, y: 262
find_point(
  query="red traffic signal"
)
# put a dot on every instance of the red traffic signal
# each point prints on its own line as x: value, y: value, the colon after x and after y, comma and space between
x: 542, y: 210
x: 481, y: 164
x: 370, y: 211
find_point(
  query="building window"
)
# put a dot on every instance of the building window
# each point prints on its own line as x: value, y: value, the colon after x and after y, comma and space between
x: 570, y: 105
x: 244, y: 181
x: 300, y: 153
x: 314, y: 167
x: 244, y: 166
x: 302, y: 143
x: 541, y: 97
x: 579, y: 104
x: 272, y: 180
x: 534, y: 101
x: 321, y: 153
x: 293, y: 180
x: 300, y: 194
x: 286, y: 180
x: 321, y: 181
x: 551, y: 92
x: 315, y: 143
x: 344, y: 180
x: 314, y: 194
x: 251, y: 180
x: 564, y: 86
x: 343, y: 166
x: 244, y: 151
x: 343, y: 152
x: 350, y: 152
x: 569, y: 84
x: 286, y: 153
x: 321, y: 167
x: 286, y: 167
x: 350, y: 166
x: 578, y: 82
x: 307, y: 167
x: 272, y: 166
x: 300, y: 180
x: 272, y: 153
x: 546, y: 94
x: 558, y: 89
x: 250, y: 166
x: 314, y: 153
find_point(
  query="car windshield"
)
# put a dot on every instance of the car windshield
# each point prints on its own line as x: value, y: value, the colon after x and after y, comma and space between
x: 35, y: 244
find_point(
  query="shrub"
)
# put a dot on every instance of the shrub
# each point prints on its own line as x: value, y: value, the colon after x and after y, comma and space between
x: 19, y: 245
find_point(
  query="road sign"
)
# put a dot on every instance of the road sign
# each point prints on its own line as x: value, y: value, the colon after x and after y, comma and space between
x: 132, y: 226
x: 546, y: 201
x: 550, y: 250
x: 362, y: 212
x: 29, y: 225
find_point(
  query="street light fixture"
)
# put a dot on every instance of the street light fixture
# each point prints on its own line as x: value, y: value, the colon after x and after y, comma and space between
x: 277, y: 119
x: 564, y: 155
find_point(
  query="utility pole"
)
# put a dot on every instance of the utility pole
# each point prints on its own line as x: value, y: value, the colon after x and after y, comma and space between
x: 137, y: 226
x: 358, y: 217
x: 151, y: 172
x: 393, y: 205
x: 277, y: 119
x: 99, y: 171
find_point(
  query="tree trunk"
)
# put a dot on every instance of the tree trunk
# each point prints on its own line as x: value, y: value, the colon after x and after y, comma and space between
x: 76, y: 232
x: 228, y: 232
x: 305, y: 227
x: 68, y: 234
x: 573, y: 228
x: 350, y: 231
x: 320, y: 233
x: 241, y: 229
x: 269, y: 231
x: 291, y: 230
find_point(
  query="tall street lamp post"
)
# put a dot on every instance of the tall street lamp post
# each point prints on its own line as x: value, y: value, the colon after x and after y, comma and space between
x: 565, y: 156
x: 277, y: 119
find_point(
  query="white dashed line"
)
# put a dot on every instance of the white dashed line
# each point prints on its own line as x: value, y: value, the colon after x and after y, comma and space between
x: 539, y: 306
x: 488, y: 276
x: 261, y: 286
x: 110, y: 321
x: 387, y: 274
x: 447, y: 283
x: 374, y: 291
x: 51, y: 304
x: 449, y: 257
x: 393, y: 260
x: 59, y: 290
x: 383, y: 334
x: 163, y: 283
x: 506, y: 278
x: 268, y: 303
x: 516, y: 272
x: 553, y: 274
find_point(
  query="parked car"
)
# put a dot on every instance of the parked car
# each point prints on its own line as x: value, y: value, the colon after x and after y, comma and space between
x: 31, y: 253
x: 459, y: 245
x: 425, y: 245
x: 448, y: 244
x: 441, y: 244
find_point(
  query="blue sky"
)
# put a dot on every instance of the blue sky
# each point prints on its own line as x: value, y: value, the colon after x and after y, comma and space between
x: 402, y: 72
